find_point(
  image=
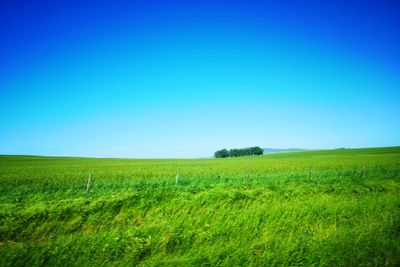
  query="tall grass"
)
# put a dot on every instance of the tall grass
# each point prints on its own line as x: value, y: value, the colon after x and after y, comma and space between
x: 320, y: 208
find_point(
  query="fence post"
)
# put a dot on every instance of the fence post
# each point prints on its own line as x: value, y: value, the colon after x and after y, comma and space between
x: 88, y: 184
x: 176, y: 178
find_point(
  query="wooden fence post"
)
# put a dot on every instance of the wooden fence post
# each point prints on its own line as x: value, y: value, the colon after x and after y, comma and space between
x: 88, y: 184
x: 176, y: 178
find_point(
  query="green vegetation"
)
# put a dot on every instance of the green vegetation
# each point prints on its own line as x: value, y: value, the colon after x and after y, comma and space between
x: 313, y: 208
x: 238, y: 152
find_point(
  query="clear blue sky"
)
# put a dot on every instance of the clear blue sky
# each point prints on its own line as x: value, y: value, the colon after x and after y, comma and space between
x: 185, y: 78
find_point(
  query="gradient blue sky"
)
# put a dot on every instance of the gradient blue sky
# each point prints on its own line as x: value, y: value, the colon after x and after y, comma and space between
x: 185, y: 78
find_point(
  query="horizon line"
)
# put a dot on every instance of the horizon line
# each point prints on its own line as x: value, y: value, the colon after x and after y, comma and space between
x: 211, y: 157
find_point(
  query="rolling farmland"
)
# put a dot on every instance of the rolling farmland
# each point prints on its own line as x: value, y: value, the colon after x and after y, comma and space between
x: 322, y: 208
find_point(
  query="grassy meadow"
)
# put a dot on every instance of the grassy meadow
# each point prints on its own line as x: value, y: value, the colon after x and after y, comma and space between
x: 312, y: 208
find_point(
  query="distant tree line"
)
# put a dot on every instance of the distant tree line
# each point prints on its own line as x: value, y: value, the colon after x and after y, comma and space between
x: 238, y: 152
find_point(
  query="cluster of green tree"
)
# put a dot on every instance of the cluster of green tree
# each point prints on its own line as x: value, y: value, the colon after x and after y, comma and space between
x: 224, y: 153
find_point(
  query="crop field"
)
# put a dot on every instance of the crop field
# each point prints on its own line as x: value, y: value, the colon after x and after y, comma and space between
x: 312, y: 208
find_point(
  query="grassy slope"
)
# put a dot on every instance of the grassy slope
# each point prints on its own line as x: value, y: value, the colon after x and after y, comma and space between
x: 337, y: 207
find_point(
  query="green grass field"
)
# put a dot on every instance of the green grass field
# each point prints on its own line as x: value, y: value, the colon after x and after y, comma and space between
x: 313, y: 208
